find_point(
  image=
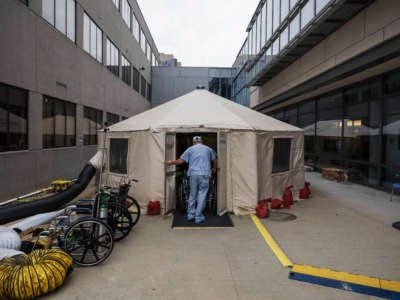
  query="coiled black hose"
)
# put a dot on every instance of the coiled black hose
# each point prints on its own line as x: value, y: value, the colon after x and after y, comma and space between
x: 26, y: 209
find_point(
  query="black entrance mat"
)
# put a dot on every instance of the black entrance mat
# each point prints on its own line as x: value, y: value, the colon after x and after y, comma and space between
x: 211, y: 222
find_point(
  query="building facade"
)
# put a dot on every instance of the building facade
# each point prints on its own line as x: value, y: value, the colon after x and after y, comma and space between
x: 332, y: 68
x: 66, y: 67
x: 172, y: 82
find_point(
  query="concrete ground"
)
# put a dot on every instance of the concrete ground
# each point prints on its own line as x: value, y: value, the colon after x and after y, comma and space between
x: 345, y: 227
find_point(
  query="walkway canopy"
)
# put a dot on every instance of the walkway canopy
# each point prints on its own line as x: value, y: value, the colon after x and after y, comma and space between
x: 258, y: 156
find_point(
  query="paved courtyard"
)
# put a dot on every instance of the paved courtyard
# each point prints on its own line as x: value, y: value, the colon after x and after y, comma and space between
x: 345, y: 227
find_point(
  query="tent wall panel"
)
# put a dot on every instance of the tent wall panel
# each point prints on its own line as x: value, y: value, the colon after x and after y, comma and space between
x: 264, y: 163
x: 244, y: 172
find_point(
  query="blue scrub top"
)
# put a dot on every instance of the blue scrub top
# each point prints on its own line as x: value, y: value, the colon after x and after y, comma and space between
x: 199, y: 158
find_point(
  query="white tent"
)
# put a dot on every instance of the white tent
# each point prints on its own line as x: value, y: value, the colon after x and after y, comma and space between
x: 138, y: 146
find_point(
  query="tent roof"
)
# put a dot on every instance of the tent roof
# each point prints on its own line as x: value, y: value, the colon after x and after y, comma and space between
x: 201, y: 108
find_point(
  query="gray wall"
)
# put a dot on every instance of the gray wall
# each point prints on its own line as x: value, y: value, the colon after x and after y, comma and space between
x: 172, y: 82
x: 37, y: 57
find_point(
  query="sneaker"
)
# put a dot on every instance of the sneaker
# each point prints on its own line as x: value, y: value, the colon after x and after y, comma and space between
x: 200, y: 220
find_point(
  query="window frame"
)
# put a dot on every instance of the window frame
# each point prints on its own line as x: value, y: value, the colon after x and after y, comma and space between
x: 86, y: 111
x: 52, y: 20
x: 277, y: 168
x: 54, y: 129
x: 114, y: 171
x: 7, y: 103
x: 97, y: 52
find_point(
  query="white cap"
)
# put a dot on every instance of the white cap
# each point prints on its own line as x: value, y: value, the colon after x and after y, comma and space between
x: 197, y: 139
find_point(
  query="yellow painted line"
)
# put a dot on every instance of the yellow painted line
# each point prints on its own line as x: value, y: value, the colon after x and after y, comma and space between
x: 285, y: 261
x: 390, y: 285
x: 339, y: 276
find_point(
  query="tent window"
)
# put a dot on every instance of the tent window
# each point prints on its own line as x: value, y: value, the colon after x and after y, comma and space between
x: 281, y: 160
x: 118, y: 155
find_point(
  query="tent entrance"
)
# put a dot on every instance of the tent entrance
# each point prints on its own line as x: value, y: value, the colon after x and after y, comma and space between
x: 184, y: 141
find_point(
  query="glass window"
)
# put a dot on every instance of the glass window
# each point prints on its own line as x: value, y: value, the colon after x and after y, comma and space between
x: 148, y: 52
x: 118, y: 155
x: 276, y: 16
x: 320, y: 4
x: 361, y: 125
x: 61, y: 14
x: 329, y: 130
x: 281, y: 160
x: 59, y: 123
x: 143, y: 41
x: 149, y: 92
x: 284, y: 9
x: 293, y: 3
x: 214, y: 85
x: 126, y: 70
x: 307, y: 13
x: 48, y: 11
x: 116, y: 3
x: 275, y: 47
x: 269, y: 19
x: 13, y: 118
x: 136, y: 79
x: 112, y: 58
x: 259, y: 33
x: 92, y: 38
x: 71, y: 19
x: 263, y: 25
x: 135, y: 28
x: 391, y: 83
x: 153, y: 60
x: 307, y: 122
x: 294, y: 26
x: 143, y: 87
x: 92, y: 121
x: 126, y: 12
x: 284, y: 37
x: 112, y: 119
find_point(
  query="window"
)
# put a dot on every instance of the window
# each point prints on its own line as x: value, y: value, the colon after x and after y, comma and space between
x: 284, y: 37
x: 284, y: 9
x: 112, y: 119
x: 118, y: 155
x: 135, y: 28
x: 126, y: 70
x: 61, y: 14
x: 307, y: 13
x: 149, y: 92
x: 281, y: 160
x: 269, y: 19
x: 59, y: 119
x: 153, y: 60
x: 142, y: 41
x: 136, y: 79
x: 112, y: 58
x: 13, y: 118
x: 116, y: 3
x: 126, y: 13
x: 143, y: 87
x: 276, y: 16
x: 294, y: 26
x: 320, y: 4
x: 263, y: 24
x: 93, y: 121
x: 148, y: 52
x: 92, y: 38
x: 258, y: 33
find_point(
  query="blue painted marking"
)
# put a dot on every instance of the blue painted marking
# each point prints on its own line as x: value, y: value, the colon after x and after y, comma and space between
x: 362, y: 289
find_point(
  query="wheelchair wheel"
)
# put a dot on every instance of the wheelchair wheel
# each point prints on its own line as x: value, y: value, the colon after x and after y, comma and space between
x: 119, y: 219
x: 134, y: 209
x: 88, y: 241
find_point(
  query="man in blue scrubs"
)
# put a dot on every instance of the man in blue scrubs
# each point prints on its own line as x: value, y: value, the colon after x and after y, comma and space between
x: 199, y: 158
